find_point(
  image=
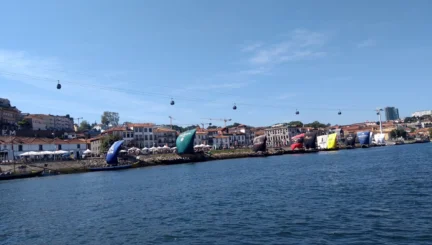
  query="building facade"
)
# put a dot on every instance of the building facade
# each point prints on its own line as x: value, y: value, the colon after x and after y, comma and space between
x: 143, y: 134
x: 391, y: 113
x: 221, y: 141
x: 95, y: 145
x: 280, y: 136
x: 422, y: 113
x: 9, y: 115
x: 50, y: 122
x: 165, y: 136
x: 202, y: 137
x: 13, y: 147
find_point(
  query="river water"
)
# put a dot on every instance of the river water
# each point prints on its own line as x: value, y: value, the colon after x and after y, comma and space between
x: 362, y: 196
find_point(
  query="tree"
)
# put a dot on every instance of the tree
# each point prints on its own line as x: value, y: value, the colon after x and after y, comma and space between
x: 107, y: 141
x: 396, y: 133
x: 410, y: 119
x: 24, y: 124
x: 213, y: 126
x: 413, y: 130
x: 430, y: 132
x: 316, y: 125
x: 295, y: 124
x: 234, y: 125
x: 84, y: 125
x: 109, y: 117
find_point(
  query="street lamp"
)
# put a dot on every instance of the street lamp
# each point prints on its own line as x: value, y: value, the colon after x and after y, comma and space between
x: 379, y: 110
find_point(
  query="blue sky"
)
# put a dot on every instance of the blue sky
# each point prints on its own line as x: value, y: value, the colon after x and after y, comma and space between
x: 270, y: 58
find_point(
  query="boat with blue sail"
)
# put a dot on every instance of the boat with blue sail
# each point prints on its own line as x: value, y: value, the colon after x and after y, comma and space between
x: 112, y: 159
x: 364, y: 138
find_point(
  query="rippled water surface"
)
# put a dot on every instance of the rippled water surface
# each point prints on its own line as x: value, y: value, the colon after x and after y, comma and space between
x: 363, y: 196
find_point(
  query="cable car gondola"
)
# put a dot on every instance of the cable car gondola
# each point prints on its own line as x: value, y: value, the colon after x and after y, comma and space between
x: 234, y: 107
x: 297, y: 112
x: 172, y: 101
x: 339, y: 113
x: 58, y: 84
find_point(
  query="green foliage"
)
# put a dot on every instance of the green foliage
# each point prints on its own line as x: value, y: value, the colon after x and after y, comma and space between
x: 25, y: 124
x: 212, y: 127
x: 316, y: 125
x: 396, y: 133
x: 295, y: 124
x: 410, y: 119
x: 430, y: 132
x: 413, y: 130
x: 109, y: 117
x: 84, y: 125
x: 107, y: 141
x: 233, y: 125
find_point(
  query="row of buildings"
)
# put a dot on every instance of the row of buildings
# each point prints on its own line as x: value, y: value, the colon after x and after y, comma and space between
x: 11, y: 118
x: 150, y: 135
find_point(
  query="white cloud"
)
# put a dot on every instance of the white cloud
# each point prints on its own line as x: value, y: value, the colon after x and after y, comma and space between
x: 252, y: 47
x: 285, y: 96
x: 300, y: 44
x: 367, y: 43
x: 79, y: 96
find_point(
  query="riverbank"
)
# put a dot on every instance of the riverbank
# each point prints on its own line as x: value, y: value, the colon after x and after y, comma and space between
x: 70, y: 167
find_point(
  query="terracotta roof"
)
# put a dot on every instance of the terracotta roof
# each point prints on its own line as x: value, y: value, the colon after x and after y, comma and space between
x: 213, y: 129
x: 221, y: 137
x: 140, y: 125
x: 259, y: 132
x: 164, y: 130
x: 96, y: 138
x: 202, y: 132
x: 115, y: 129
x: 39, y: 141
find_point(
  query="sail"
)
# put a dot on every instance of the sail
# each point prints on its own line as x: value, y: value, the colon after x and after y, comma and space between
x: 364, y: 137
x: 113, y: 152
x: 379, y: 139
x: 297, y: 141
x: 259, y: 143
x: 322, y: 141
x: 332, y: 141
x: 350, y: 140
x: 185, y: 141
x: 310, y: 140
x: 370, y: 137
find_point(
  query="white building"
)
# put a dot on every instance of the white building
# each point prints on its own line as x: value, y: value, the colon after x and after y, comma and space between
x: 13, y: 147
x: 201, y: 137
x: 280, y: 136
x: 165, y: 136
x: 221, y: 141
x: 238, y: 139
x: 143, y: 134
x: 50, y: 122
x: 421, y: 113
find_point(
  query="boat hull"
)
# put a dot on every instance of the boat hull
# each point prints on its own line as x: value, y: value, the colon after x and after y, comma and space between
x: 21, y: 176
x: 111, y: 168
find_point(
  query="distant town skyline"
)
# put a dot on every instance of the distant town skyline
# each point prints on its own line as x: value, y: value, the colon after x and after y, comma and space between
x: 269, y: 59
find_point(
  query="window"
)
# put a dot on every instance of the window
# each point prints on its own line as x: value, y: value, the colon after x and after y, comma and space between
x: 78, y: 146
x: 41, y: 147
x: 150, y: 130
x: 151, y: 137
x: 145, y: 137
x: 145, y: 130
x: 20, y: 148
x: 59, y: 147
